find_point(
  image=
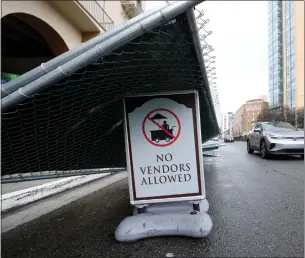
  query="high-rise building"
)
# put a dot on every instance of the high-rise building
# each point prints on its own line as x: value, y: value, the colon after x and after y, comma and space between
x: 286, y: 53
x: 230, y: 117
x: 275, y: 54
x: 225, y: 122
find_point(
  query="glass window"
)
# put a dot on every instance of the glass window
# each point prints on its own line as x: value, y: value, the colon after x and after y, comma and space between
x: 257, y: 126
x: 279, y: 126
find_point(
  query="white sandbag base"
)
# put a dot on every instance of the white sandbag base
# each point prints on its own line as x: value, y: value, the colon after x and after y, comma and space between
x: 161, y: 220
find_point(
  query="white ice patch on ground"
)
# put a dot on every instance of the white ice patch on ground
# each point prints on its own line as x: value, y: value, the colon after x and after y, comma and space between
x: 210, y: 148
x: 26, y: 196
x: 18, y: 217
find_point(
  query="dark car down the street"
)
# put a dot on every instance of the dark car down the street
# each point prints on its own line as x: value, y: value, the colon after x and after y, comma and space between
x: 275, y: 138
x: 229, y: 138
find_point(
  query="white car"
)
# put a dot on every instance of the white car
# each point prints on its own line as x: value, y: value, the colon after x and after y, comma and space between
x: 276, y: 138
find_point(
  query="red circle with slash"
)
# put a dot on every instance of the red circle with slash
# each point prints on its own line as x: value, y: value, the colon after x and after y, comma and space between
x: 166, y: 132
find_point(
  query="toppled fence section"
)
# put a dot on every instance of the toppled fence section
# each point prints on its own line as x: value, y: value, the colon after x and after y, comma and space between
x: 71, y: 118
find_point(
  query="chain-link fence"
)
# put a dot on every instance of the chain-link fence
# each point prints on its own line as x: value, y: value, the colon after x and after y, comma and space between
x: 209, y: 56
x: 75, y: 124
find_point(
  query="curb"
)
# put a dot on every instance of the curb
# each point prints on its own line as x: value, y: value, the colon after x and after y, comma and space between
x: 26, y: 196
x: 25, y: 214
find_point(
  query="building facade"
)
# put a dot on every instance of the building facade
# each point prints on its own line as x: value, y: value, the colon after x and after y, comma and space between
x: 237, y: 125
x: 263, y: 97
x: 249, y: 113
x: 230, y: 117
x: 226, y: 119
x: 275, y: 54
x: 286, y: 54
x: 34, y: 32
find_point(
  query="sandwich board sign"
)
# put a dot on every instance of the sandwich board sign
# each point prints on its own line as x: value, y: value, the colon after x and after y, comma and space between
x: 163, y: 147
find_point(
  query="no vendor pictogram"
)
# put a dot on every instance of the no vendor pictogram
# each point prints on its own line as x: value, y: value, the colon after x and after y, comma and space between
x: 161, y: 134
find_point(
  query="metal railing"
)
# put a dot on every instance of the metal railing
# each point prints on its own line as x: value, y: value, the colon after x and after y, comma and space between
x: 96, y: 11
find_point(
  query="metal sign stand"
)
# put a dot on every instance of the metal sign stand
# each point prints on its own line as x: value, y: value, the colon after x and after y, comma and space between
x: 165, y: 167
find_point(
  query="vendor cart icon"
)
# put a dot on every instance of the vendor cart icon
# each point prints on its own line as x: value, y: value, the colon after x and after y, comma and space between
x: 164, y: 133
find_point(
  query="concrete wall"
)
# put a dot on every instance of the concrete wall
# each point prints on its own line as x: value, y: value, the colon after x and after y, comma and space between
x: 89, y: 35
x: 115, y: 10
x: 48, y: 14
x: 72, y: 35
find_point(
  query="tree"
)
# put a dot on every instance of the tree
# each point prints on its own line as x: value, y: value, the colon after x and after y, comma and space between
x: 299, y: 115
x: 293, y: 116
x: 262, y: 116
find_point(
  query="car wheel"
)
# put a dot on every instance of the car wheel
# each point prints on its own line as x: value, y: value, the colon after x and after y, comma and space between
x: 157, y: 140
x: 249, y: 149
x: 264, y: 151
x: 302, y: 156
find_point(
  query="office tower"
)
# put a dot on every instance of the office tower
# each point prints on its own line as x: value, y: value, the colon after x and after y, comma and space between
x: 286, y: 54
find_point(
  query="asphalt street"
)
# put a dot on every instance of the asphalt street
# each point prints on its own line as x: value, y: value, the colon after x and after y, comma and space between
x: 257, y: 207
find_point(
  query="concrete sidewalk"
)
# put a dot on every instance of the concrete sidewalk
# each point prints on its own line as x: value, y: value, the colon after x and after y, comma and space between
x: 12, y: 187
x: 66, y: 192
x: 25, y: 196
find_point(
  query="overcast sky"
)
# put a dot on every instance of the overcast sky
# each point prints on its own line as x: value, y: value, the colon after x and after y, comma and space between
x: 240, y: 39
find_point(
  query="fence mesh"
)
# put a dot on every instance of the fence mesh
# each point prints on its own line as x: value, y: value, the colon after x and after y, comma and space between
x: 76, y: 124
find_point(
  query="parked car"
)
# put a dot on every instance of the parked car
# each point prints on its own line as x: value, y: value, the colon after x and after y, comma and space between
x: 275, y: 138
x: 228, y: 138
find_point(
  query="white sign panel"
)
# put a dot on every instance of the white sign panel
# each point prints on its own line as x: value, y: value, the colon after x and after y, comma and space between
x: 163, y: 145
